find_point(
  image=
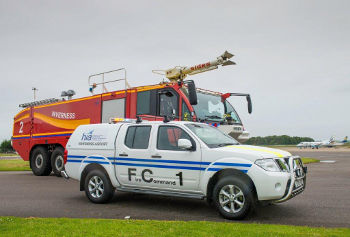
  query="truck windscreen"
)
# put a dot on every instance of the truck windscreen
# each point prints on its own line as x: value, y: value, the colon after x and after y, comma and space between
x: 210, y: 107
x: 211, y: 136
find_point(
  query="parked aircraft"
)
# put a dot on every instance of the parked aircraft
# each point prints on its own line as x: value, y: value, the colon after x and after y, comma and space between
x: 325, y: 143
x: 333, y: 143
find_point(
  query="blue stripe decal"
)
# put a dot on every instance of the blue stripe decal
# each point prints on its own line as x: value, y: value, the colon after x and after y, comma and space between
x: 161, y: 161
x: 72, y: 156
x: 98, y: 162
x: 160, y: 166
x: 232, y: 164
x: 55, y: 135
x: 96, y: 157
x: 117, y: 159
x: 16, y: 138
x: 74, y: 161
x: 218, y: 169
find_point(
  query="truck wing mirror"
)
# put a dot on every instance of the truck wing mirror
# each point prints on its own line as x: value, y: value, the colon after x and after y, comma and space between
x: 184, y: 144
x: 192, y: 93
x: 249, y: 100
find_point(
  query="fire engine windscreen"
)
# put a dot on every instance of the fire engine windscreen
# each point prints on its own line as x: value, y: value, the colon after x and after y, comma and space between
x: 211, y: 108
x: 211, y: 136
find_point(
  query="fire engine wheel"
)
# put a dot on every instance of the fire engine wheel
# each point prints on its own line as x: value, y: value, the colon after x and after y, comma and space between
x: 98, y: 187
x: 57, y: 161
x: 40, y: 162
x: 233, y: 197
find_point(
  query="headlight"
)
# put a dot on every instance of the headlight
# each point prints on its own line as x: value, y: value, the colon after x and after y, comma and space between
x: 268, y: 165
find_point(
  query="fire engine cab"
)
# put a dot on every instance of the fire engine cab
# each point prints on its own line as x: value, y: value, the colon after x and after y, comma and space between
x: 179, y: 158
x: 42, y: 129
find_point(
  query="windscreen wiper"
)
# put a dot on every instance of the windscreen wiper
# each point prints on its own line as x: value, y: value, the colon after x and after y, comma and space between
x: 213, y: 117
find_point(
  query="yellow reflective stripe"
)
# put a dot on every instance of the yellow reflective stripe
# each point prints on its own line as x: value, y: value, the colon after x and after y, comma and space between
x: 20, y: 118
x: 25, y: 135
x: 114, y: 93
x: 147, y: 88
x: 43, y: 134
x: 24, y: 110
x: 258, y: 149
x: 68, y: 101
x: 66, y: 124
x: 52, y: 133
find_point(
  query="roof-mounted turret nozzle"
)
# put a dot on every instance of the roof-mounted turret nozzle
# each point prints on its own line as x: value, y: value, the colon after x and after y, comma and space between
x: 179, y: 73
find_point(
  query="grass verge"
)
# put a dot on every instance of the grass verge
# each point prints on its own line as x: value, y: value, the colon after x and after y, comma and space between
x: 8, y: 154
x: 14, y: 165
x: 308, y: 160
x: 15, y: 226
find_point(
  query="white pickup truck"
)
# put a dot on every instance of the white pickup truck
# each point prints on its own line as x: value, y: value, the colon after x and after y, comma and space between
x: 184, y: 159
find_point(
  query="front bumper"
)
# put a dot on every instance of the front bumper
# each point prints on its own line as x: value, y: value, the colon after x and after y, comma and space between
x: 297, y: 182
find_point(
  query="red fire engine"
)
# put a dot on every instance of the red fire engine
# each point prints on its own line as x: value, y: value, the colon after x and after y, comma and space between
x: 42, y: 129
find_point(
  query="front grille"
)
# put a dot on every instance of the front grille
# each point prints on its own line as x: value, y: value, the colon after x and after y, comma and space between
x: 296, y: 192
x: 297, y: 170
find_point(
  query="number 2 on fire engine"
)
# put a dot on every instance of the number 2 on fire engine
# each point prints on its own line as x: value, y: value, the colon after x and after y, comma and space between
x: 20, y: 127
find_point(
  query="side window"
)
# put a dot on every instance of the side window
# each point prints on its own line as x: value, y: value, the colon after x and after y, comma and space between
x: 143, y: 102
x: 186, y: 114
x: 168, y: 137
x: 168, y: 104
x: 137, y: 137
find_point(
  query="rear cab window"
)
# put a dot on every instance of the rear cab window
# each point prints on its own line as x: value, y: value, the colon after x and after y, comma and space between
x: 137, y: 137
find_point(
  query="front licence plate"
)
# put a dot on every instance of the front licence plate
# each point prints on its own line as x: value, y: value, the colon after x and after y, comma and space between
x: 299, y: 183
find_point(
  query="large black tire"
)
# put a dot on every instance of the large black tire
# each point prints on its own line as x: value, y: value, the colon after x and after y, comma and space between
x: 57, y: 161
x: 240, y: 200
x: 40, y: 162
x: 100, y: 189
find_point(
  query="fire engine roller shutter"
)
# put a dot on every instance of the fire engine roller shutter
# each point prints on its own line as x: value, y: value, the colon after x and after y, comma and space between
x: 113, y: 109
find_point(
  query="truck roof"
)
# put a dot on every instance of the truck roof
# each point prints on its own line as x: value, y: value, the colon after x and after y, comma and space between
x: 144, y: 122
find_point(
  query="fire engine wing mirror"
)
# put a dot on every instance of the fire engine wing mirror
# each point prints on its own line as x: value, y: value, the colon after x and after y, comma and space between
x: 249, y: 100
x: 192, y: 93
x: 250, y: 106
x: 184, y: 144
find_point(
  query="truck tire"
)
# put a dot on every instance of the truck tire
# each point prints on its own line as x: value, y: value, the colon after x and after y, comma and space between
x: 98, y: 187
x: 233, y: 197
x: 40, y: 162
x: 57, y: 161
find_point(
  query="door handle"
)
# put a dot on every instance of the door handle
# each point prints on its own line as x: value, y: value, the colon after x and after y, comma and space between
x: 156, y: 156
x: 123, y: 154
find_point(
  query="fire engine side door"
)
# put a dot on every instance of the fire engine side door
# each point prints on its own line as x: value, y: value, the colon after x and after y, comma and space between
x: 146, y: 104
x: 167, y: 104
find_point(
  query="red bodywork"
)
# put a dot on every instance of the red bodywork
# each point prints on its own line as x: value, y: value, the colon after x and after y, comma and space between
x: 52, y: 124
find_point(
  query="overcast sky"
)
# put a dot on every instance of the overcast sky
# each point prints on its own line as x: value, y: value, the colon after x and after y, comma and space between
x: 292, y: 56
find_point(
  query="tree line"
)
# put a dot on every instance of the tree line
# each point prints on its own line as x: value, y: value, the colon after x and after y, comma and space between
x: 277, y: 140
x: 6, y: 146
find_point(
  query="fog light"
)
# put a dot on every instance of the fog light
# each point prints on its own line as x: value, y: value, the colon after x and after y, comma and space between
x: 278, y: 186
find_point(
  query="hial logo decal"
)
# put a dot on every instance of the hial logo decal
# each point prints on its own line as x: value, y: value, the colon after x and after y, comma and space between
x: 90, y: 136
x: 87, y: 136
